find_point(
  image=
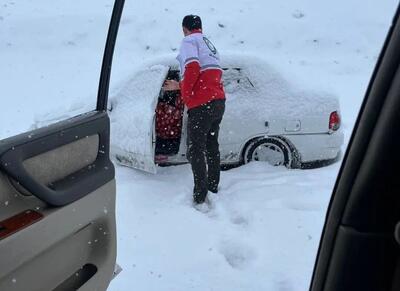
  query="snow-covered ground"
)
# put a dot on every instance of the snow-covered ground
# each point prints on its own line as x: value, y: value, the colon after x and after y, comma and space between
x: 264, y: 228
x: 261, y: 234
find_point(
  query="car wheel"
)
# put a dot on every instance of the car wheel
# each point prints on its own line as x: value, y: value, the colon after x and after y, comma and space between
x: 271, y: 150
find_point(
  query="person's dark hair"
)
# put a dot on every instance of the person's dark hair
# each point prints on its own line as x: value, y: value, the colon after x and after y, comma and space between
x: 192, y: 22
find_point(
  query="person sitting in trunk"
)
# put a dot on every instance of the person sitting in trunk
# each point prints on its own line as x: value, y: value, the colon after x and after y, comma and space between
x: 169, y: 119
x: 203, y: 94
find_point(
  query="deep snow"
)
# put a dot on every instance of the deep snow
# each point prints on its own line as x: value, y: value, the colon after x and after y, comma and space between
x: 263, y: 231
x: 261, y: 234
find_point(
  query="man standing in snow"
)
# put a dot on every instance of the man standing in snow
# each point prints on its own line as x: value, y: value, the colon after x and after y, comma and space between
x: 203, y: 94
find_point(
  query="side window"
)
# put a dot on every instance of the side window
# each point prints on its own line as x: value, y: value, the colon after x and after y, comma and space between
x: 236, y: 82
x: 50, y: 61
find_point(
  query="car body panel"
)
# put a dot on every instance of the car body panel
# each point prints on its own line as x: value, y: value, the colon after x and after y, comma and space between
x: 317, y: 147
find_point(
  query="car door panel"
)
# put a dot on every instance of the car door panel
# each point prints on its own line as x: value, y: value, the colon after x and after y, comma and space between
x: 66, y: 245
x: 132, y: 119
x: 17, y: 153
x: 70, y: 161
x: 57, y: 164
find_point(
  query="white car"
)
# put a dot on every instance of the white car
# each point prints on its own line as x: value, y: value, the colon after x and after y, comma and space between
x: 266, y: 119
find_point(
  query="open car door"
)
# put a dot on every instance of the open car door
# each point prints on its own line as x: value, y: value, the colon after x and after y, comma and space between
x: 57, y: 199
x: 133, y: 118
x: 360, y: 247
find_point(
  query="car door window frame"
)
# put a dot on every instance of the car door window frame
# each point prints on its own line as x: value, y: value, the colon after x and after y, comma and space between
x: 104, y: 83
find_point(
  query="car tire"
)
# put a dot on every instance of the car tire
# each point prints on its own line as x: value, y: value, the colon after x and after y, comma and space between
x: 272, y: 150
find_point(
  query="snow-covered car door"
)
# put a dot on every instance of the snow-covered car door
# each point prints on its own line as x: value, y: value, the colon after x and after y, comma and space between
x: 132, y: 118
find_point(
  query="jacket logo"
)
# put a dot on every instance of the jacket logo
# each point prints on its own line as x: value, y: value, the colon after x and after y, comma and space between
x: 210, y: 45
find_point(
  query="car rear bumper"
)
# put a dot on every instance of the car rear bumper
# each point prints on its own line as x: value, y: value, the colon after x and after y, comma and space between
x: 317, y: 147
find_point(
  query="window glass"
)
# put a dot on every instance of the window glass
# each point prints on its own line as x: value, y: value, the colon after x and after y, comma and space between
x: 235, y: 81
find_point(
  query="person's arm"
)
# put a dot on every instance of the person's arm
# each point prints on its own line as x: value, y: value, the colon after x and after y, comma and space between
x: 190, y: 77
x: 171, y: 85
x: 189, y: 54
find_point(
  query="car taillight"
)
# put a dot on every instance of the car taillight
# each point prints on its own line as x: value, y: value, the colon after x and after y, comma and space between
x: 334, y: 121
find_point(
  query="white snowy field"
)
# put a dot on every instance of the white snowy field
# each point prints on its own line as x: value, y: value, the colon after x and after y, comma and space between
x: 262, y: 232
x: 264, y: 228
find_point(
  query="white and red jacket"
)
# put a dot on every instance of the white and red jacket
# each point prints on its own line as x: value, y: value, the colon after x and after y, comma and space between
x: 200, y: 71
